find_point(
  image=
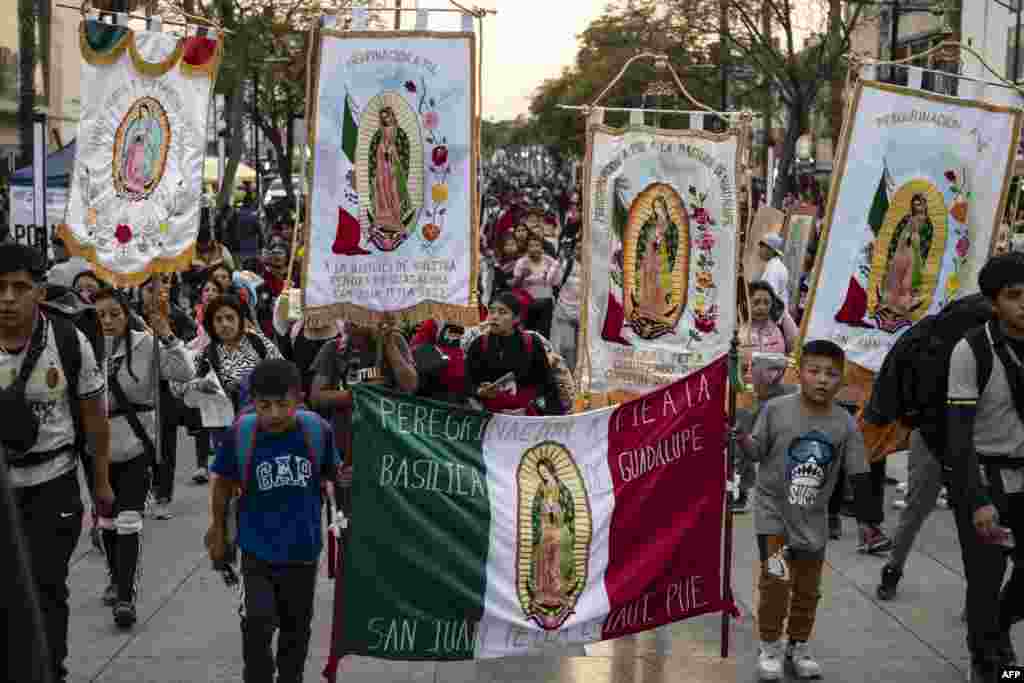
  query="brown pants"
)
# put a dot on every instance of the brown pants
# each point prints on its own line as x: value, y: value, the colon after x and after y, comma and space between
x: 796, y: 599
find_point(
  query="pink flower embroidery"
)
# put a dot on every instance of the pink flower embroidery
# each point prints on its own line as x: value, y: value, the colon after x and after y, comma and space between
x: 700, y: 215
x: 431, y: 120
x: 962, y: 247
x: 123, y: 233
x: 439, y: 155
x: 706, y: 241
x: 950, y: 176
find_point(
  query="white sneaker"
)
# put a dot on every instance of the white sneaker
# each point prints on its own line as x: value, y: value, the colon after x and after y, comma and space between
x: 899, y: 504
x: 162, y: 511
x: 901, y: 487
x: 803, y: 663
x: 200, y: 476
x: 769, y: 661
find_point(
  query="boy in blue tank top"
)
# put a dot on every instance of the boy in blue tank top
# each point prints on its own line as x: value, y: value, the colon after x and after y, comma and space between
x: 281, y: 460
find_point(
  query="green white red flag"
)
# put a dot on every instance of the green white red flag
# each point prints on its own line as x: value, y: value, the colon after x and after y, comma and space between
x: 476, y: 535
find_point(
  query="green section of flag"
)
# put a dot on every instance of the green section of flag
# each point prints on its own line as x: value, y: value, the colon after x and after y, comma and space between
x: 349, y: 132
x: 879, y: 207
x: 420, y: 529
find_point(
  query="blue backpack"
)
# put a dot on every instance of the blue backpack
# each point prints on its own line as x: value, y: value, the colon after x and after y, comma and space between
x: 246, y: 427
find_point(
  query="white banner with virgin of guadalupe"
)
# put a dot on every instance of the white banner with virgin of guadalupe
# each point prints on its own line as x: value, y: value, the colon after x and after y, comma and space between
x: 920, y: 188
x: 661, y: 209
x: 135, y: 191
x: 393, y: 225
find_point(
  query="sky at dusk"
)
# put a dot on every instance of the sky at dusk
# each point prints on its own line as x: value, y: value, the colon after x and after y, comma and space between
x: 524, y: 43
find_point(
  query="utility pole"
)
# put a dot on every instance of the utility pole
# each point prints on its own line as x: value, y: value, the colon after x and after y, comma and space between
x: 398, y: 15
x: 894, y: 17
x: 723, y: 53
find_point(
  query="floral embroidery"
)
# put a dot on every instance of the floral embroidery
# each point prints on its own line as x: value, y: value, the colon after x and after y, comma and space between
x: 962, y: 233
x: 705, y: 317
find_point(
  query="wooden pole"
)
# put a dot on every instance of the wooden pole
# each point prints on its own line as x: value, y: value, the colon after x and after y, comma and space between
x: 727, y: 597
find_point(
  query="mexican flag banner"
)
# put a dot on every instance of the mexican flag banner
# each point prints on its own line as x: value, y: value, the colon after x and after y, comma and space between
x: 477, y: 535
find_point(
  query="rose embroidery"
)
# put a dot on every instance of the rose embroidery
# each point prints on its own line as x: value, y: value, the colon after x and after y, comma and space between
x: 123, y: 233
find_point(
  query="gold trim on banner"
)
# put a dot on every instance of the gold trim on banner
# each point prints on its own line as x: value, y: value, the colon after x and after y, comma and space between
x: 171, y: 264
x: 96, y: 58
x: 584, y: 363
x: 467, y: 315
x: 155, y: 69
x: 839, y: 172
x: 425, y: 310
x: 210, y: 68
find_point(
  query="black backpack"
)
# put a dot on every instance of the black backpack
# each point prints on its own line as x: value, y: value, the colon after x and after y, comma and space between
x: 68, y: 314
x: 913, y: 382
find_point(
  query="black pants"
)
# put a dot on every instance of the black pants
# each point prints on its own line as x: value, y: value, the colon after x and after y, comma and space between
x: 877, y: 502
x: 992, y: 609
x: 51, y: 515
x: 163, y: 471
x: 122, y: 536
x: 203, y: 448
x: 282, y: 594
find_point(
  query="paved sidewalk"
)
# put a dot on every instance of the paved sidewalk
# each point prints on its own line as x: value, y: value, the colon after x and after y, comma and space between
x: 188, y: 623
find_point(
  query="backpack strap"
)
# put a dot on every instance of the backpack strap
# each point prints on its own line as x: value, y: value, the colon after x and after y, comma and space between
x: 527, y: 342
x: 69, y: 350
x: 245, y: 441
x: 981, y: 344
x: 313, y: 434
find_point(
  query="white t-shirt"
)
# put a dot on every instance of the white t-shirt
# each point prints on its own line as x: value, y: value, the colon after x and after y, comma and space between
x: 47, y: 393
x: 777, y: 275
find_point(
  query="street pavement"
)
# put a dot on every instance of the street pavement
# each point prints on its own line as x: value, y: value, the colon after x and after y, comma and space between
x: 188, y: 622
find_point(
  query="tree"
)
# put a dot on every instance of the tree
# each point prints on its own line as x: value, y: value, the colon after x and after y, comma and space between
x: 796, y: 73
x: 626, y: 29
x: 266, y: 45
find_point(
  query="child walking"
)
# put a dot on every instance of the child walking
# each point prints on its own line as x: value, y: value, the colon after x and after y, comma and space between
x: 800, y: 442
x: 280, y: 459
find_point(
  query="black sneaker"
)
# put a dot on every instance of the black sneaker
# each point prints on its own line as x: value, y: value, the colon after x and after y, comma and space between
x: 890, y: 579
x: 983, y: 671
x: 124, y: 614
x: 1007, y: 655
x: 835, y: 527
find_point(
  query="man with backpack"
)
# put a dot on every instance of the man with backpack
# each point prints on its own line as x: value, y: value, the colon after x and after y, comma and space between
x: 53, y: 391
x: 986, y: 461
x: 283, y: 460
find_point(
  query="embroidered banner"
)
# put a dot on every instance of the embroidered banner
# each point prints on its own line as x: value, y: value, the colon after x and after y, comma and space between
x: 556, y: 531
x: 661, y: 217
x: 135, y: 191
x: 393, y: 220
x: 920, y: 189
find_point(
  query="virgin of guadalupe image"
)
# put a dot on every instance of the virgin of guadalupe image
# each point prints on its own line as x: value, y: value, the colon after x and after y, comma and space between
x: 655, y: 262
x: 142, y: 149
x: 389, y: 175
x: 900, y: 287
x: 553, y: 576
x: 654, y: 279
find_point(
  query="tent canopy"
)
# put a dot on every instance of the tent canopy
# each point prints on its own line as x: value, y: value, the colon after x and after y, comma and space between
x: 59, y: 166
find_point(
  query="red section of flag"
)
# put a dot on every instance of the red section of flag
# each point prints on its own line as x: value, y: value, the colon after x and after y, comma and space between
x: 666, y: 452
x: 614, y: 320
x: 855, y: 306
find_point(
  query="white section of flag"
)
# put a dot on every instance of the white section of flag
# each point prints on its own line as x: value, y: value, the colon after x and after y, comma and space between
x: 504, y: 629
